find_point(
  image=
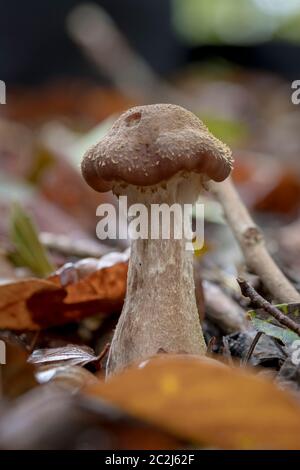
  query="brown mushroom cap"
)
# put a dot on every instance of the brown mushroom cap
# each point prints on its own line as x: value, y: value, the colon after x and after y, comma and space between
x: 150, y: 144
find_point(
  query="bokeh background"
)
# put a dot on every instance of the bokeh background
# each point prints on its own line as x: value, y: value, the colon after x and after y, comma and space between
x: 264, y: 34
x: 71, y: 67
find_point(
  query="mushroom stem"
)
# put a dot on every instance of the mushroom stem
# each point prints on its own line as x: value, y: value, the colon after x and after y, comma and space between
x: 160, y: 312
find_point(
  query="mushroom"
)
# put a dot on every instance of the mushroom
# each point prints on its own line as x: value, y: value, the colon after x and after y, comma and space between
x: 157, y: 154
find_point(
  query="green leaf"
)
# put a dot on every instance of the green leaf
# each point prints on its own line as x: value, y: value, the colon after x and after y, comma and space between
x: 285, y: 335
x: 28, y: 249
x: 264, y: 322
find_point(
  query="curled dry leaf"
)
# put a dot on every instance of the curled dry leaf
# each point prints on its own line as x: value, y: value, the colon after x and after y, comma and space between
x: 62, y: 365
x: 71, y: 355
x: 205, y: 402
x: 34, y: 304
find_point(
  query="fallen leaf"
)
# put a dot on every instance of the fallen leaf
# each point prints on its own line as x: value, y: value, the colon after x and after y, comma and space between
x: 34, y: 304
x: 265, y: 323
x: 49, y: 417
x: 71, y: 355
x: 206, y: 403
x: 14, y: 314
x: 28, y: 250
x: 267, y: 352
x: 17, y: 376
x: 285, y: 335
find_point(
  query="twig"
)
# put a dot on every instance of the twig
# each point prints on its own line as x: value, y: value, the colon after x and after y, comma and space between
x: 33, y: 342
x: 103, y: 353
x: 252, y: 347
x: 252, y: 243
x: 259, y: 302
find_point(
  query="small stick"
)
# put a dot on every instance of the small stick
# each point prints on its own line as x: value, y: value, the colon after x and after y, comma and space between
x: 259, y: 302
x: 33, y: 342
x: 252, y: 243
x: 252, y: 347
x: 103, y: 353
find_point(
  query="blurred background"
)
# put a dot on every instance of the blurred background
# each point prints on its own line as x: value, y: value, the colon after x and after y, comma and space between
x: 264, y: 34
x: 71, y: 67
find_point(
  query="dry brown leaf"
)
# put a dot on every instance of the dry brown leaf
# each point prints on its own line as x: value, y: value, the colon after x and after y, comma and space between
x: 206, y: 403
x: 50, y: 417
x: 34, y: 304
x: 14, y: 314
x: 17, y: 376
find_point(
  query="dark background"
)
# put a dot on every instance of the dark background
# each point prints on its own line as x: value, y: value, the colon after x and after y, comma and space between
x: 34, y: 45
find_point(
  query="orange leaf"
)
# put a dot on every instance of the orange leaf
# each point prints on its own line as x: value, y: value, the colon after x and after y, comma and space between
x: 17, y: 373
x: 14, y: 313
x: 34, y: 303
x: 204, y: 402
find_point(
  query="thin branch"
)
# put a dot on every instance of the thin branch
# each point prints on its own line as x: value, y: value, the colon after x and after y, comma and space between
x: 103, y: 353
x: 259, y: 302
x: 252, y: 243
x: 252, y: 347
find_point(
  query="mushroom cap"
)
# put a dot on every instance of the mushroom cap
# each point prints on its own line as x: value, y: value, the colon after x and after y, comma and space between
x: 149, y: 144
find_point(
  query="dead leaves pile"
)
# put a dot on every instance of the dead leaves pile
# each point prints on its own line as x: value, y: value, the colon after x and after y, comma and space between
x: 186, y: 399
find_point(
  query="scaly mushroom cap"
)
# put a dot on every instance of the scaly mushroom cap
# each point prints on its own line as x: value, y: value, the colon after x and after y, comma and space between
x: 150, y: 144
